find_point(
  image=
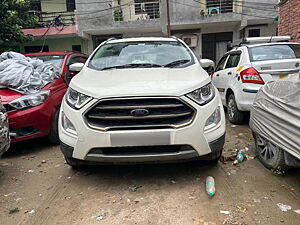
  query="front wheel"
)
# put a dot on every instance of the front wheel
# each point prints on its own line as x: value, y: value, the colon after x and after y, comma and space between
x: 270, y: 155
x: 235, y: 116
x: 53, y: 135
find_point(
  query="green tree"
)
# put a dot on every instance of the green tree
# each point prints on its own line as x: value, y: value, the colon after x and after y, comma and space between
x: 14, y: 17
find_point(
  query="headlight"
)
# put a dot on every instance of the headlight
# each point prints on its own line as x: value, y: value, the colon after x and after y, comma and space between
x: 203, y: 95
x: 75, y: 99
x: 214, y: 119
x: 28, y: 101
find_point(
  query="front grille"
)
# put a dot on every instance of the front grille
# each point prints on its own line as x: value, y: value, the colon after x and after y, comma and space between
x: 142, y: 150
x: 117, y: 114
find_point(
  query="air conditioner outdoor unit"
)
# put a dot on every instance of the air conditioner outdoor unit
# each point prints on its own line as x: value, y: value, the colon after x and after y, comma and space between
x: 191, y: 40
x: 213, y: 10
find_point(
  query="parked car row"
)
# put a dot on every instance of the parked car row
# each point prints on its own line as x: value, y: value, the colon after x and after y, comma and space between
x: 140, y: 100
x: 35, y: 115
x: 245, y: 69
x: 262, y: 76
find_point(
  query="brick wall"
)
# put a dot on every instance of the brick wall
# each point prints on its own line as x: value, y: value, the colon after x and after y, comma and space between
x: 289, y: 19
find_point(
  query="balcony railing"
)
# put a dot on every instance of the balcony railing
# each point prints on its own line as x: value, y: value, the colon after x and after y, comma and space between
x: 136, y: 11
x: 46, y: 19
x: 213, y: 7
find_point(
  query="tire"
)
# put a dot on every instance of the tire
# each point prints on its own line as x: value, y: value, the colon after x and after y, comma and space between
x: 235, y: 116
x: 53, y: 134
x: 270, y: 155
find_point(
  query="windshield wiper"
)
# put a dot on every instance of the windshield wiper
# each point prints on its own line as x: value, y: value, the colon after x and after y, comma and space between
x: 133, y: 65
x: 177, y: 63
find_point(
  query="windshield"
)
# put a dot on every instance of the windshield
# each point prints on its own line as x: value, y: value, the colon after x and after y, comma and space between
x: 274, y: 52
x: 56, y: 60
x: 141, y: 54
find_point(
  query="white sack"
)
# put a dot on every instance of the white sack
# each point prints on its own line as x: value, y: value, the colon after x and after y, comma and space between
x: 23, y: 74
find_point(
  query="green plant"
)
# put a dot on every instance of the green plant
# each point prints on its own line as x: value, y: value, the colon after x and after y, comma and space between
x: 118, y: 15
x: 14, y: 17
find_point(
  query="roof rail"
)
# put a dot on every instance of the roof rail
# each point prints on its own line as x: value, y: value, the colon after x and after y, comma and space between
x: 111, y: 39
x: 258, y: 40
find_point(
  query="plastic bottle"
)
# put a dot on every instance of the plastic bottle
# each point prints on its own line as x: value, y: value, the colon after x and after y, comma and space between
x: 239, y: 157
x: 210, y: 186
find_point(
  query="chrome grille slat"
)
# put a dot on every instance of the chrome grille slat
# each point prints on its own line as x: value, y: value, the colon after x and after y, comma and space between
x: 137, y: 118
x: 138, y: 107
x: 115, y: 113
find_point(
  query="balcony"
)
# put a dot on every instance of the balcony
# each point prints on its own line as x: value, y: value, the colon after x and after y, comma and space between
x: 133, y: 11
x: 46, y: 19
x: 214, y: 7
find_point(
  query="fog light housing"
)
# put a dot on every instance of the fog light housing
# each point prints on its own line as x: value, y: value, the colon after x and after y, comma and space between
x: 214, y: 119
x: 67, y: 124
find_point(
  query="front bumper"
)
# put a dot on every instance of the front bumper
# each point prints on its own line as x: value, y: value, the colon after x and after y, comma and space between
x: 186, y: 155
x: 30, y: 123
x: 185, y: 143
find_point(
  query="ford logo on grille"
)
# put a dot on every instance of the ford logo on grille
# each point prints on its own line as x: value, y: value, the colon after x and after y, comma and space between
x: 139, y: 112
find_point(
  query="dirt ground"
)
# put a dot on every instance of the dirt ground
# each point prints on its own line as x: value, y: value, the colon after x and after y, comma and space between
x: 38, y: 188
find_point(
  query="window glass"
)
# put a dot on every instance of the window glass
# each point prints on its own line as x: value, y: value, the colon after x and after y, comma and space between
x: 254, y: 33
x: 56, y: 60
x: 233, y: 60
x: 221, y: 63
x: 274, y: 52
x: 139, y: 54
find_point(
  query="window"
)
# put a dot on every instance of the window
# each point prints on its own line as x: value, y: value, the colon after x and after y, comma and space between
x: 56, y: 60
x: 274, y: 52
x: 141, y: 54
x: 76, y: 48
x: 221, y: 63
x: 33, y: 49
x: 71, y: 6
x: 77, y: 59
x: 254, y: 33
x: 233, y: 60
x: 149, y: 7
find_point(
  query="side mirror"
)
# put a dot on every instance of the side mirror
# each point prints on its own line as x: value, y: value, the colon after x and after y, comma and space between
x: 205, y: 63
x: 76, y: 67
x: 208, y: 65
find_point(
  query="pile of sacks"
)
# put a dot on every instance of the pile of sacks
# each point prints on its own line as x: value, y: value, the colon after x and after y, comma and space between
x: 25, y: 75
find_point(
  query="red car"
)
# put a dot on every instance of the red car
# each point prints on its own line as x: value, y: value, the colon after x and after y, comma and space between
x: 37, y: 115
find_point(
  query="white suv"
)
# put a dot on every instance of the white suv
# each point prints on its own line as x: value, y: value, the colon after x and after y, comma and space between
x: 141, y: 100
x: 242, y: 71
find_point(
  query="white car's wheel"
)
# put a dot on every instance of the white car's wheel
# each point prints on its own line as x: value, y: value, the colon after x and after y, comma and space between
x: 235, y: 116
x: 270, y: 155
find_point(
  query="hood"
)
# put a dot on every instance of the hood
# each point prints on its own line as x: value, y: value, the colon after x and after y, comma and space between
x: 139, y: 81
x: 8, y: 95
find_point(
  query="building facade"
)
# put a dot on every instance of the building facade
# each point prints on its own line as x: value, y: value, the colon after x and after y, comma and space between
x: 56, y: 29
x: 208, y: 26
x: 289, y: 19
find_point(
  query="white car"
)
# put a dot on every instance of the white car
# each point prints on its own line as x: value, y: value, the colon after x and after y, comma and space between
x: 242, y: 71
x: 141, y: 100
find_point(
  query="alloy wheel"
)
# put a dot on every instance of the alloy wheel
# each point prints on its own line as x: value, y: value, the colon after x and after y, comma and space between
x: 231, y: 108
x: 266, y: 149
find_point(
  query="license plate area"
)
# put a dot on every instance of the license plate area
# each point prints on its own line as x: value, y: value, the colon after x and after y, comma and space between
x: 140, y: 139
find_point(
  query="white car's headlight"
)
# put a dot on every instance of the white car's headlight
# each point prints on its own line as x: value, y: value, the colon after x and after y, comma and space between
x: 75, y: 99
x: 31, y: 100
x: 203, y: 95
